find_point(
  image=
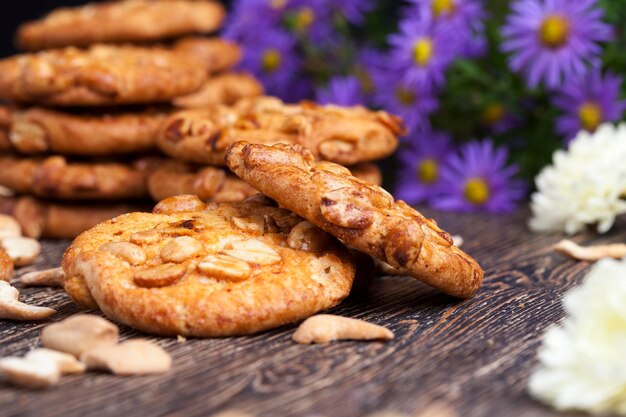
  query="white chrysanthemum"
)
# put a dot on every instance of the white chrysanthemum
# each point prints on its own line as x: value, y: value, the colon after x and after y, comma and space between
x: 585, y: 185
x: 583, y: 362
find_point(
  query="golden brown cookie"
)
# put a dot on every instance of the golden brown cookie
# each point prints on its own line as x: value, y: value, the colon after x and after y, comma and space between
x: 213, y: 54
x: 172, y: 178
x: 343, y: 135
x: 228, y: 269
x: 225, y: 88
x: 100, y: 75
x: 60, y: 221
x: 55, y: 177
x: 360, y: 214
x: 39, y: 130
x: 120, y: 21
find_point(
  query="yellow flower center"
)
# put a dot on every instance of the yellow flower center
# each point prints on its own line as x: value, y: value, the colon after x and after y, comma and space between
x: 423, y: 51
x: 440, y: 7
x: 405, y: 97
x: 493, y: 114
x: 554, y: 31
x: 590, y: 115
x: 476, y: 190
x: 305, y: 18
x: 271, y: 60
x: 428, y: 171
x: 366, y: 81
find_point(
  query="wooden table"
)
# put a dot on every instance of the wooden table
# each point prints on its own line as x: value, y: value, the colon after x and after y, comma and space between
x: 474, y: 355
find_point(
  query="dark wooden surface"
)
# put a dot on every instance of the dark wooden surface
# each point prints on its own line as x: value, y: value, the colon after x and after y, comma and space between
x: 474, y: 355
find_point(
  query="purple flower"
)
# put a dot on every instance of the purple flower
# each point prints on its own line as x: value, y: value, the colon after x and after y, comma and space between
x: 342, y: 91
x: 272, y: 59
x: 312, y: 19
x: 395, y: 96
x: 422, y: 51
x: 587, y: 101
x: 550, y: 40
x: 352, y: 10
x: 478, y: 179
x: 368, y: 60
x: 248, y: 15
x: 498, y: 119
x: 419, y: 177
x: 464, y: 18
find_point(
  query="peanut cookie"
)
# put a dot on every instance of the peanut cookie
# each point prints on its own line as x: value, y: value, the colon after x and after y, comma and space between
x: 219, y: 270
x: 213, y: 54
x: 172, y: 178
x: 120, y: 21
x: 100, y: 75
x: 60, y: 221
x: 55, y: 177
x: 343, y: 135
x: 222, y: 89
x: 360, y: 214
x: 39, y: 130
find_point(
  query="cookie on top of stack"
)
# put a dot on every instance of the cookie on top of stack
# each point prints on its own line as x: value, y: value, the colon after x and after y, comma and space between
x: 78, y: 132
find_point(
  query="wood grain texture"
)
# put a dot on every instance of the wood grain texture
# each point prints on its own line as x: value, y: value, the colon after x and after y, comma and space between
x: 474, y: 355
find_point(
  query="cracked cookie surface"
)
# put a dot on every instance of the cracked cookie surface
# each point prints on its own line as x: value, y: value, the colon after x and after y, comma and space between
x: 359, y: 214
x: 216, y: 270
x: 120, y: 21
x: 344, y: 135
x: 100, y: 75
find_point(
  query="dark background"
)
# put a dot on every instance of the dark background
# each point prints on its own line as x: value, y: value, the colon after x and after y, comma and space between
x: 16, y: 12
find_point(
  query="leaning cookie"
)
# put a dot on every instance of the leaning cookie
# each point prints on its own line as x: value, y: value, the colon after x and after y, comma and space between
x: 344, y: 135
x: 55, y: 220
x: 217, y: 184
x: 100, y: 75
x: 55, y: 177
x: 120, y: 21
x: 40, y: 130
x: 205, y: 271
x: 360, y: 214
x: 225, y: 88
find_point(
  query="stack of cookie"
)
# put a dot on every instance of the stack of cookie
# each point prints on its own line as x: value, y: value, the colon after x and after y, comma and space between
x: 79, y: 131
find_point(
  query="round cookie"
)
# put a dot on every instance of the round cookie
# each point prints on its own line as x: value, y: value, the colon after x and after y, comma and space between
x: 55, y: 177
x: 222, y: 270
x: 342, y: 135
x: 172, y: 178
x: 225, y: 88
x: 39, y: 130
x: 213, y: 54
x: 100, y: 75
x: 60, y: 221
x: 120, y: 21
x: 359, y: 214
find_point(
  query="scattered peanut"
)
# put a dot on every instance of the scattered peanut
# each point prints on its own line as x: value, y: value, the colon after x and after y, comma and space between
x: 590, y: 253
x: 134, y: 357
x: 457, y: 240
x: 225, y: 267
x: 78, y: 333
x: 180, y: 249
x: 11, y: 308
x: 9, y: 227
x: 159, y: 276
x: 22, y: 250
x: 179, y: 204
x: 147, y: 237
x: 67, y: 364
x: 253, y: 251
x: 47, y: 278
x: 6, y: 267
x: 254, y: 223
x: 324, y: 328
x: 127, y: 251
x: 30, y: 373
